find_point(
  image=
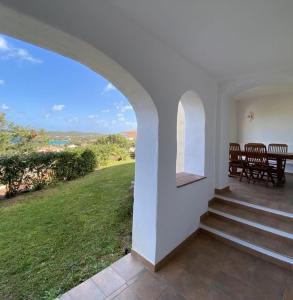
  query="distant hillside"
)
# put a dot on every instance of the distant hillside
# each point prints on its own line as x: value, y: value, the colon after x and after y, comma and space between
x: 72, y: 134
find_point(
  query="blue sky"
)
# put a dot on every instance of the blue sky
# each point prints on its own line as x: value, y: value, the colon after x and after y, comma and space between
x: 42, y: 89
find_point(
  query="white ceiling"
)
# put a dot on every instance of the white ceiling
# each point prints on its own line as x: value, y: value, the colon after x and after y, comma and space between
x: 266, y: 91
x: 226, y: 37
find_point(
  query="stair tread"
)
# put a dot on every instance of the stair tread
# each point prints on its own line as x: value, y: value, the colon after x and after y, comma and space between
x: 254, y: 215
x: 249, y: 234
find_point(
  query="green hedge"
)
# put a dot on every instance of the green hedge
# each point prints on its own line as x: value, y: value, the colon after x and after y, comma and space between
x: 71, y: 165
x: 33, y: 171
x: 108, y: 152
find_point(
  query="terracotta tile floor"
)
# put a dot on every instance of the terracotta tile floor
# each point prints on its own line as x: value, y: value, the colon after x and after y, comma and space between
x: 204, y: 269
x: 278, y: 197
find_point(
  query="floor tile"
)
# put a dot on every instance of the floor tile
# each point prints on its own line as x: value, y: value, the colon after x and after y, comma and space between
x: 148, y: 286
x: 278, y: 197
x: 128, y: 294
x: 171, y: 294
x: 86, y: 291
x: 206, y: 269
x: 127, y: 267
x: 108, y: 281
x: 65, y: 296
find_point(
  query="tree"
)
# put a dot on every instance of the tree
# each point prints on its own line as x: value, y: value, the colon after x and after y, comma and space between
x: 4, y: 134
x: 114, y: 139
x: 18, y: 139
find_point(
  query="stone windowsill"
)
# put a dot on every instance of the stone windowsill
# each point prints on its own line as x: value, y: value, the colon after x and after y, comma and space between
x: 183, y: 178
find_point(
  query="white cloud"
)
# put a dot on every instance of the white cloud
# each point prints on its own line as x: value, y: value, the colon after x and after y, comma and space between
x: 121, y: 119
x: 105, y: 110
x: 58, y: 107
x: 132, y: 124
x: 108, y: 88
x: 123, y: 108
x: 119, y: 115
x: 8, y: 51
x: 126, y: 107
x: 2, y: 82
x: 47, y: 116
x: 5, y: 107
x: 73, y: 120
x: 3, y: 44
x: 102, y: 123
x: 93, y: 116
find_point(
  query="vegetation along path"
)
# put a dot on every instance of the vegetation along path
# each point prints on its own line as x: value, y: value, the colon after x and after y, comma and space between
x: 53, y: 239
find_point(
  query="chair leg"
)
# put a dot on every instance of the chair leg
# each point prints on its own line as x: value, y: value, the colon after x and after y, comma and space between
x: 267, y: 181
x: 241, y: 176
x: 284, y: 177
x: 270, y: 176
x: 250, y: 176
x: 243, y: 172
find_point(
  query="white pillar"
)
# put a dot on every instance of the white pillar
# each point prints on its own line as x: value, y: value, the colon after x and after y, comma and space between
x: 222, y: 142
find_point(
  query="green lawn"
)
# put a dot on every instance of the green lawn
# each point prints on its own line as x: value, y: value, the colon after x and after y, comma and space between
x: 53, y: 239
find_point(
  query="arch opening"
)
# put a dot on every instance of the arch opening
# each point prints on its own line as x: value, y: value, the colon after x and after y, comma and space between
x: 145, y: 204
x: 190, y: 135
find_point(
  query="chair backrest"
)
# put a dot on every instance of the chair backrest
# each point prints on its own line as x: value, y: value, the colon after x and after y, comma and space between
x: 256, y: 153
x: 256, y: 144
x: 278, y: 148
x: 234, y: 149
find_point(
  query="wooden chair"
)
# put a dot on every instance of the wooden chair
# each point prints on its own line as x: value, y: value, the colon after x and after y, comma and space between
x: 257, y: 166
x: 235, y: 159
x: 277, y: 148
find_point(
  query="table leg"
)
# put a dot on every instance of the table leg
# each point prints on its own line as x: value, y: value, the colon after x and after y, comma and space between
x: 279, y: 170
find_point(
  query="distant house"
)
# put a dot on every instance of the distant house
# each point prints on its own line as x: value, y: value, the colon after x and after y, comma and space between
x: 50, y: 148
x: 130, y: 135
x: 72, y: 146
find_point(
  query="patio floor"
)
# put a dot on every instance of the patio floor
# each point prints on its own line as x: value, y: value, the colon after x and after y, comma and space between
x: 275, y: 197
x: 206, y: 268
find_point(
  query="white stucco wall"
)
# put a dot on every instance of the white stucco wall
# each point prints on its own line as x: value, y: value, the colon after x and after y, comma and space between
x: 273, y: 119
x: 191, y: 135
x: 153, y: 77
x: 180, y: 139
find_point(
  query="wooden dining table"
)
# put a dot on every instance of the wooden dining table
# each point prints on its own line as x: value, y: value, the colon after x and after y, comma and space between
x: 279, y: 157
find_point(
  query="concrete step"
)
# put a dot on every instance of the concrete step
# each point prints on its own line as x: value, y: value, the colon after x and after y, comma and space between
x: 263, y: 202
x: 260, y: 232
x: 260, y: 243
x: 281, y: 225
x: 264, y: 239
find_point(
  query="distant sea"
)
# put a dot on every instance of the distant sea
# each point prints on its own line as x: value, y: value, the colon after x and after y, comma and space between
x: 59, y: 142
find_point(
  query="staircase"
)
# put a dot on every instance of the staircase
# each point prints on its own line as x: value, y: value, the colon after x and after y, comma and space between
x: 261, y: 231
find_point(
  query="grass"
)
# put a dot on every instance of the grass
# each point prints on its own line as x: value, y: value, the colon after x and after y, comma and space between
x: 53, y: 239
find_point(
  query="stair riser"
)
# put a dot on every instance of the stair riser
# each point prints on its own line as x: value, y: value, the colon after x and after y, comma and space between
x: 252, y: 224
x: 262, y: 209
x: 265, y: 254
x: 251, y: 228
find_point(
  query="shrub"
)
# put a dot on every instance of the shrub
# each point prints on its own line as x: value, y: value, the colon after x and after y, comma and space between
x: 66, y: 167
x: 118, y: 153
x: 73, y: 164
x: 39, y: 170
x: 108, y: 152
x: 12, y: 172
x: 35, y: 170
x: 114, y: 139
x: 88, y: 161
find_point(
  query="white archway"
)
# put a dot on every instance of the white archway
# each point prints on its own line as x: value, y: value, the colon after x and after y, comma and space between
x: 190, y: 135
x: 226, y: 93
x: 145, y: 191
